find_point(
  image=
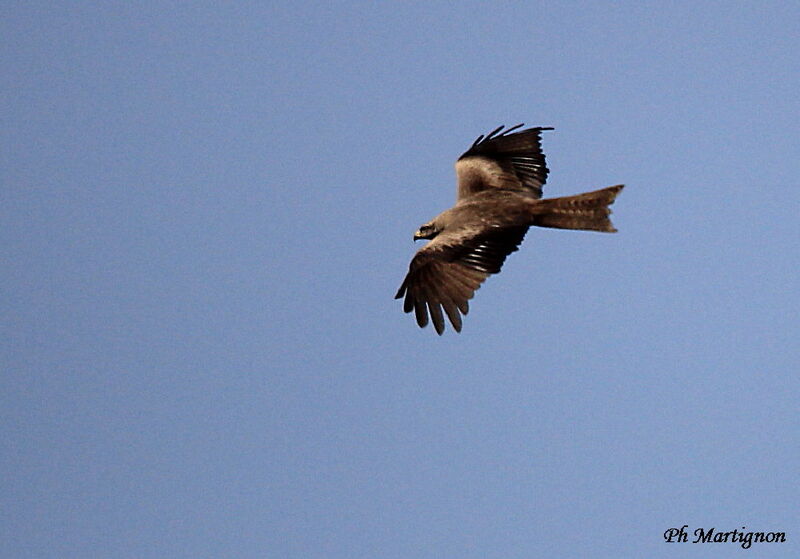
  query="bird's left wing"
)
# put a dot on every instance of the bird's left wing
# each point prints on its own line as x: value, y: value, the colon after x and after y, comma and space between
x: 446, y: 272
x: 503, y: 159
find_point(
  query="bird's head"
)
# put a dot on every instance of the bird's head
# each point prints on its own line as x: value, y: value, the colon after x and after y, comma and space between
x: 427, y: 231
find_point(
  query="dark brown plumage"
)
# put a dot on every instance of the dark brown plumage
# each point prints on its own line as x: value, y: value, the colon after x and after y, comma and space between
x: 500, y: 181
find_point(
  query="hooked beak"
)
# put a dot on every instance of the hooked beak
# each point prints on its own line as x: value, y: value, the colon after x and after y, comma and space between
x: 425, y: 232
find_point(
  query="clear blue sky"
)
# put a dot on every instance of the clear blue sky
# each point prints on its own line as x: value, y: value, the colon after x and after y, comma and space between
x: 206, y: 211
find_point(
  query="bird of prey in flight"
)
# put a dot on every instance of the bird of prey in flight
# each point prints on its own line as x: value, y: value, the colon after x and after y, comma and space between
x: 499, y: 191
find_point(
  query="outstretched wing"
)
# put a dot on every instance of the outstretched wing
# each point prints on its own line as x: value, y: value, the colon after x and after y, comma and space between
x: 446, y: 272
x: 503, y: 159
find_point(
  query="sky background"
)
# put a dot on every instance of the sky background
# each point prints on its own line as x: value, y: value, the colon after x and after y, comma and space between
x: 206, y: 211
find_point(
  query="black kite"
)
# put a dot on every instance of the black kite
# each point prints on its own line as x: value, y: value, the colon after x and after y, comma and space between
x: 499, y: 194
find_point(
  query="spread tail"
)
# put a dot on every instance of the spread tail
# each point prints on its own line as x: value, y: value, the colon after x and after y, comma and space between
x: 588, y: 211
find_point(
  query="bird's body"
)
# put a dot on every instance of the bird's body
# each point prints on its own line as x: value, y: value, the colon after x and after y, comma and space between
x: 499, y: 192
x: 490, y: 208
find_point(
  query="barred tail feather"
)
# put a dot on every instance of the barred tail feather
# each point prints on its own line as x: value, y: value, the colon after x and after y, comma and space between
x: 588, y: 211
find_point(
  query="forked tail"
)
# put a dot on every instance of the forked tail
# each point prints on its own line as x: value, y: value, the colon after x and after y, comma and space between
x: 588, y: 211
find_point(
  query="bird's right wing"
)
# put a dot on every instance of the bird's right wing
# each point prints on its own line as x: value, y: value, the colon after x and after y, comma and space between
x: 446, y: 272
